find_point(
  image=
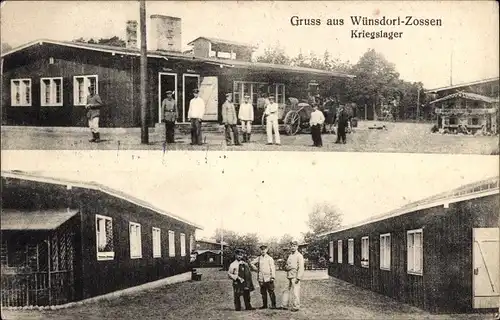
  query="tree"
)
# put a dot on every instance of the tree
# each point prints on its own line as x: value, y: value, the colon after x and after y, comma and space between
x: 274, y: 55
x: 376, y: 80
x: 324, y: 217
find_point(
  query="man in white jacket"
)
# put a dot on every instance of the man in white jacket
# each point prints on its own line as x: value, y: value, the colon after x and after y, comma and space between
x: 294, y: 272
x: 246, y: 117
x: 316, y: 123
x: 195, y: 115
x: 266, y: 272
x: 271, y: 113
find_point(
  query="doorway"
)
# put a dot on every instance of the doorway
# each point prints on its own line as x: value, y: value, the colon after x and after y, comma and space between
x: 485, y: 267
x: 189, y: 83
x: 166, y: 82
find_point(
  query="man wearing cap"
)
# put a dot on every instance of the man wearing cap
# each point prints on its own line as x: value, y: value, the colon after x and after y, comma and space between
x: 246, y: 117
x: 93, y: 106
x: 316, y: 122
x: 271, y: 113
x: 342, y: 123
x: 230, y: 120
x: 169, y: 108
x: 195, y: 115
x: 294, y: 271
x: 266, y: 272
x: 239, y: 271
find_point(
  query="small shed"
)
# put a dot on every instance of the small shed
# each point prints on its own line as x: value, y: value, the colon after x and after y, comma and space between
x: 465, y: 111
x: 440, y: 254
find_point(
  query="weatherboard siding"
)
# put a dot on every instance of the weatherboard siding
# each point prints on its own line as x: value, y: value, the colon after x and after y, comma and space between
x: 93, y: 277
x: 446, y: 283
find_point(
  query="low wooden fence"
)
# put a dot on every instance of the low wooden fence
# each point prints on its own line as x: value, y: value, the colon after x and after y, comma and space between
x: 35, y: 289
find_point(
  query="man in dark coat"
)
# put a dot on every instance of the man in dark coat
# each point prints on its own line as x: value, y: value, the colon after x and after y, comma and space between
x: 169, y: 107
x: 240, y: 273
x: 93, y: 106
x: 342, y: 120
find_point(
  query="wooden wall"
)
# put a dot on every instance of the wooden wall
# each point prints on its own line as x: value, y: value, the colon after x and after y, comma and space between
x: 100, y: 277
x: 116, y: 86
x: 93, y: 277
x: 446, y: 283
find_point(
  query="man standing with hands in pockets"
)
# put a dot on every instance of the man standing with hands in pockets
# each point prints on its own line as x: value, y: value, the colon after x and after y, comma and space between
x: 266, y: 272
x: 294, y: 271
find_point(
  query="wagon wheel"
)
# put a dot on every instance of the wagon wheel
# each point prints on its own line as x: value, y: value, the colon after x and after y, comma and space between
x: 292, y: 122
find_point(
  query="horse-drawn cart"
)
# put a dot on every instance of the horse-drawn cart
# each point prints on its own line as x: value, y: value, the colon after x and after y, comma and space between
x: 294, y: 116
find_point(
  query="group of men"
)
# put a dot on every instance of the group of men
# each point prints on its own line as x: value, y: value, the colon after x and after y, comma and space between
x: 240, y: 273
x: 229, y: 119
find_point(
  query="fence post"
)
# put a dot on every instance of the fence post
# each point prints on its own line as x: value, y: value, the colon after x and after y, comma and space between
x: 48, y: 269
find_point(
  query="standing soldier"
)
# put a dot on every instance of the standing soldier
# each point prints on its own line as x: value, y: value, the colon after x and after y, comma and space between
x: 195, y: 115
x: 169, y: 108
x: 272, y: 121
x: 246, y: 117
x: 93, y: 106
x: 266, y: 273
x: 294, y: 271
x: 240, y: 273
x: 230, y: 120
x: 342, y: 120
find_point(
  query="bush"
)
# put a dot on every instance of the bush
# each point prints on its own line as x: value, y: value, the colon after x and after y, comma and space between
x: 434, y: 128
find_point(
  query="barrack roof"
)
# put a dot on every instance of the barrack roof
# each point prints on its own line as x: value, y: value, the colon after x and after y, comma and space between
x: 160, y: 54
x: 15, y: 174
x: 469, y: 191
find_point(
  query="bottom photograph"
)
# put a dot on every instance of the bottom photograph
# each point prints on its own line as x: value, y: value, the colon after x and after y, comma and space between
x: 339, y: 245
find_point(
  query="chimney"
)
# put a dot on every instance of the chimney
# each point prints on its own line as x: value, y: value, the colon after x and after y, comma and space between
x: 131, y: 34
x: 165, y: 33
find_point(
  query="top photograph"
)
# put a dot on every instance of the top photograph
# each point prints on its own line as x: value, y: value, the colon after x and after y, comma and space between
x: 409, y: 77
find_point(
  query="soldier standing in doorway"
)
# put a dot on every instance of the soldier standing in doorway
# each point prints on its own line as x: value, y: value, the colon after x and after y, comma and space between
x: 230, y: 120
x: 195, y: 115
x: 169, y: 108
x: 93, y: 106
x: 246, y: 117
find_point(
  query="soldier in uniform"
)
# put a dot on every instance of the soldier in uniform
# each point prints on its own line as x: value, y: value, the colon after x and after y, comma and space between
x: 266, y: 272
x: 169, y: 108
x: 342, y: 120
x: 294, y: 271
x: 93, y: 106
x: 246, y: 117
x: 230, y: 120
x: 240, y: 273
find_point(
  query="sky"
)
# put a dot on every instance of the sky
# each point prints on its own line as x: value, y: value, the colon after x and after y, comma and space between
x: 268, y: 193
x: 465, y: 48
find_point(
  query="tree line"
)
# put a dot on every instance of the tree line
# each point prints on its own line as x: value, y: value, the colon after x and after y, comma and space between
x: 323, y: 217
x: 377, y: 84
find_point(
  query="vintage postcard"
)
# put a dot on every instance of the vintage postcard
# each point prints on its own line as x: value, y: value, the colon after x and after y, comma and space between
x: 260, y: 76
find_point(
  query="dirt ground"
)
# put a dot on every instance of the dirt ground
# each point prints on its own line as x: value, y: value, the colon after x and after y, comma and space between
x: 399, y: 137
x: 322, y: 298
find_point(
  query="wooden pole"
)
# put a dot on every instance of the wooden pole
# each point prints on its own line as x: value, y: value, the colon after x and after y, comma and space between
x: 48, y: 269
x: 144, y: 63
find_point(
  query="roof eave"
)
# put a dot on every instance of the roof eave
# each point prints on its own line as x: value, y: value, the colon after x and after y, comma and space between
x: 98, y: 187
